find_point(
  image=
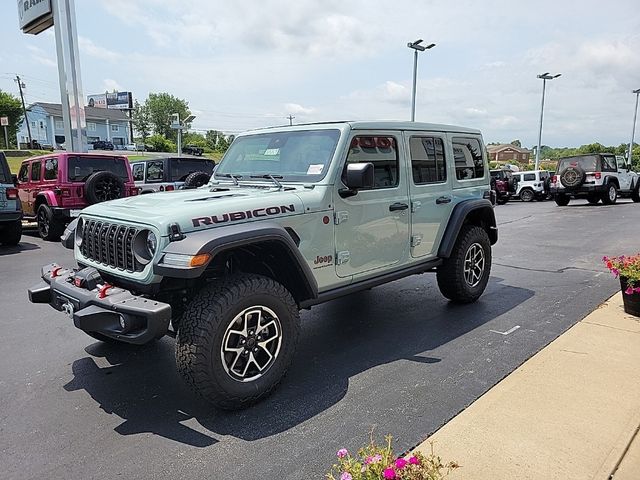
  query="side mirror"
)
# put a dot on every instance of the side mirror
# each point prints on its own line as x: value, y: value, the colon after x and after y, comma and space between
x: 14, y: 179
x: 358, y: 176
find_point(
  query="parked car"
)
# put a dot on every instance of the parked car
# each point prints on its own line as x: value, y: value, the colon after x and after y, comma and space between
x: 504, y: 183
x: 133, y: 147
x: 295, y: 216
x: 532, y: 185
x: 193, y: 150
x: 53, y: 189
x: 599, y: 176
x: 171, y: 173
x: 10, y: 209
x: 102, y: 145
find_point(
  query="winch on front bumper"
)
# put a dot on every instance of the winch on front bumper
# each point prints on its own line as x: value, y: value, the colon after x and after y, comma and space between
x: 96, y: 306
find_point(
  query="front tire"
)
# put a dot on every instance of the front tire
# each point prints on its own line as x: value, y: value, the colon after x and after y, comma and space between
x: 11, y: 234
x: 527, y: 195
x: 610, y: 197
x: 464, y: 275
x: 236, y: 340
x: 561, y: 199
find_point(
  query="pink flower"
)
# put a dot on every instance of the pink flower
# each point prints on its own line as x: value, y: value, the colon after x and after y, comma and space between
x: 637, y: 289
x: 414, y: 460
x: 389, y: 473
x: 346, y: 476
x: 377, y: 458
x: 629, y: 290
x: 342, y: 453
x: 615, y: 272
x: 401, y: 463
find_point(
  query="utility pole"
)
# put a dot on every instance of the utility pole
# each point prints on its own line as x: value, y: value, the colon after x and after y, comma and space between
x: 290, y: 117
x: 24, y: 109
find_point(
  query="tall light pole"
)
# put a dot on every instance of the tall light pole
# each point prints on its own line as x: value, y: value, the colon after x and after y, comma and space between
x: 633, y: 132
x: 545, y: 76
x: 416, y: 48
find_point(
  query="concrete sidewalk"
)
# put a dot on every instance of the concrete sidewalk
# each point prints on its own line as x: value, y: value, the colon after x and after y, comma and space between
x: 572, y: 411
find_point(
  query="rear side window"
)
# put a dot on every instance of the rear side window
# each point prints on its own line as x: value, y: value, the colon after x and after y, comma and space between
x: 51, y: 169
x: 23, y: 174
x: 529, y: 177
x: 382, y: 151
x: 468, y: 158
x: 35, y: 171
x: 81, y: 168
x: 137, y: 169
x: 155, y: 171
x: 427, y: 160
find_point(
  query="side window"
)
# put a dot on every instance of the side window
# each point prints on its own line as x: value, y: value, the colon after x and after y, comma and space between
x: 529, y: 177
x: 23, y: 174
x: 51, y: 169
x: 35, y: 171
x: 155, y: 171
x: 609, y: 163
x: 382, y: 151
x: 427, y: 160
x: 468, y: 158
x: 137, y: 169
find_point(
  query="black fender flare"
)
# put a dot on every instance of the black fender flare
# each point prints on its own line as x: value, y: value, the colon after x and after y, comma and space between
x: 217, y: 240
x: 474, y: 208
x: 612, y: 179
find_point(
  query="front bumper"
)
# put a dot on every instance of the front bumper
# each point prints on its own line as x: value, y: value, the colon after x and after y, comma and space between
x: 113, y: 312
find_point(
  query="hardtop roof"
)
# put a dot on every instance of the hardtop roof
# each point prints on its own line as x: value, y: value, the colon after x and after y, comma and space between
x: 373, y: 125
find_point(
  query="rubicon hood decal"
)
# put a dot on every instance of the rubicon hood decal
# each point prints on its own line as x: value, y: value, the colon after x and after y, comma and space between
x: 244, y: 215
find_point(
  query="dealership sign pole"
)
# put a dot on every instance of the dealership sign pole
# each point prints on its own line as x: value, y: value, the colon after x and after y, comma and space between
x: 4, y: 121
x: 35, y: 17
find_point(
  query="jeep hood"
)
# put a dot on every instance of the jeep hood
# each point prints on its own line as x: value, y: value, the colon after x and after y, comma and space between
x: 200, y: 208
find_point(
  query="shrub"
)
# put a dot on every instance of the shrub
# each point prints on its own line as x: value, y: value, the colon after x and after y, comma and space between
x: 161, y: 144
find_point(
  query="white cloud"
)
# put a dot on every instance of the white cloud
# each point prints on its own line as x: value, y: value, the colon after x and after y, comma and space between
x: 87, y: 46
x: 294, y: 108
x: 40, y: 56
x: 109, y: 85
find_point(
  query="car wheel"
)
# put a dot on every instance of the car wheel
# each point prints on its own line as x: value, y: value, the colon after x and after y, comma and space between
x: 48, y: 227
x: 610, y: 197
x: 593, y: 199
x: 464, y: 275
x: 236, y: 340
x: 11, y: 233
x: 196, y: 179
x: 102, y: 186
x: 635, y: 193
x: 527, y: 195
x: 561, y: 199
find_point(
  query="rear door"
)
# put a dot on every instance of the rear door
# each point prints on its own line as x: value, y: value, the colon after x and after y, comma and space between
x: 35, y: 183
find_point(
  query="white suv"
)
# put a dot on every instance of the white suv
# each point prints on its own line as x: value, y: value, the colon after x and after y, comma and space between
x: 598, y: 176
x: 532, y: 185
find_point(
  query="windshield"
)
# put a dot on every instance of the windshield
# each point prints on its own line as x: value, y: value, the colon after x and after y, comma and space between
x: 181, y: 168
x: 80, y: 168
x: 589, y: 163
x: 297, y: 156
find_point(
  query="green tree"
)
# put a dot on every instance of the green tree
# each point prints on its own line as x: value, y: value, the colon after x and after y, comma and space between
x: 11, y: 107
x: 213, y: 137
x: 141, y: 121
x: 517, y: 143
x: 160, y: 107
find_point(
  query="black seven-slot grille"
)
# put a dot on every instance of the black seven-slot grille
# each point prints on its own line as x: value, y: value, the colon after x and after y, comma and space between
x: 110, y: 244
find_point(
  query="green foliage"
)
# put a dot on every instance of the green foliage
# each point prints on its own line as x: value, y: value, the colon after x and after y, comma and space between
x: 516, y: 143
x: 141, y: 120
x: 11, y: 107
x: 160, y: 107
x: 218, y: 141
x: 161, y: 144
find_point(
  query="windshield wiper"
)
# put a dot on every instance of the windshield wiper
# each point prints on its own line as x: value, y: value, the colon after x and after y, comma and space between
x: 232, y: 176
x: 273, y: 178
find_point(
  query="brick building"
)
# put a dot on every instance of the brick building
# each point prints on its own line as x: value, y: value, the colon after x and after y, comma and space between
x: 508, y: 153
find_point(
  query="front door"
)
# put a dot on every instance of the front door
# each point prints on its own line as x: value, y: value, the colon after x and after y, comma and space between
x: 624, y: 177
x: 24, y: 189
x: 430, y: 191
x: 372, y: 227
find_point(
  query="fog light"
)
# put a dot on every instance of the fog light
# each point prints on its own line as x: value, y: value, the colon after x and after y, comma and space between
x: 123, y: 324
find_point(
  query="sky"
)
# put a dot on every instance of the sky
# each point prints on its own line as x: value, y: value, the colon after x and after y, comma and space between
x: 249, y: 64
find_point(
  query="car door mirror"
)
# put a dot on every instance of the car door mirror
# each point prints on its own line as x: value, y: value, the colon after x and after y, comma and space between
x: 359, y: 176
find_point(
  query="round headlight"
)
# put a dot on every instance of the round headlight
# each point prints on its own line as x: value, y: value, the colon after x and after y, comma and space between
x: 79, y: 231
x: 152, y: 243
x: 144, y: 246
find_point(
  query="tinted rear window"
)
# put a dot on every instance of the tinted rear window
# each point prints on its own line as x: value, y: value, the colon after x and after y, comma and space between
x: 588, y: 163
x: 5, y: 174
x: 80, y: 168
x: 180, y: 169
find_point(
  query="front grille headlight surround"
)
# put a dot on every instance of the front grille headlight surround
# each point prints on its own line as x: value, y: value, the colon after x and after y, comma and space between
x: 79, y: 231
x: 145, y: 245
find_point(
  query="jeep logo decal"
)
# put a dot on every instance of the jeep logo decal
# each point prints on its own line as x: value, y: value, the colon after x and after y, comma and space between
x: 235, y: 216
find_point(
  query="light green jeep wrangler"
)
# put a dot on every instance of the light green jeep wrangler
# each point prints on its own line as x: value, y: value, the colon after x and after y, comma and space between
x: 292, y: 217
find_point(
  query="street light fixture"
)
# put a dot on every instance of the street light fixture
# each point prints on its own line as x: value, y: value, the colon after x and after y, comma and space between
x: 417, y: 47
x: 635, y: 114
x: 544, y: 76
x: 180, y: 126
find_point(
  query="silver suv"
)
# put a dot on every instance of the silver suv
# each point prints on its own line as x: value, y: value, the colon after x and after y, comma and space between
x: 598, y: 176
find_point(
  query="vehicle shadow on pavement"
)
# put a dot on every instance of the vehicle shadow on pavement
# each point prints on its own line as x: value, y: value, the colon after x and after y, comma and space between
x: 21, y: 247
x: 339, y: 340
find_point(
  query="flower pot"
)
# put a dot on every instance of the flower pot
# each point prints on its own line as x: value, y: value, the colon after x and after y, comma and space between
x: 631, y: 302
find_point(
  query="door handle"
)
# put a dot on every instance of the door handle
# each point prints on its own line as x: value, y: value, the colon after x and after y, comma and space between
x: 398, y: 206
x: 441, y: 200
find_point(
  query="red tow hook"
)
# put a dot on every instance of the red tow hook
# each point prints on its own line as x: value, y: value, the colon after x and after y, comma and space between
x: 54, y: 272
x: 103, y: 290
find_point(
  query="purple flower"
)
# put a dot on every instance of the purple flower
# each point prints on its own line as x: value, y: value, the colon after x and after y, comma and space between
x: 389, y: 473
x: 401, y: 463
x: 414, y: 460
x: 346, y: 476
x: 342, y: 453
x: 615, y: 272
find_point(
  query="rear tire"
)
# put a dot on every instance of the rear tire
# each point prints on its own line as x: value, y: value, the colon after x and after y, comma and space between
x: 223, y: 326
x: 11, y: 233
x: 49, y: 228
x: 562, y: 200
x: 464, y: 275
x: 610, y: 197
x: 196, y: 179
x: 527, y: 195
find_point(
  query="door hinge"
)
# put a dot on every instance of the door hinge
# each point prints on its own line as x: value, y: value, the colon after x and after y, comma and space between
x: 340, y: 217
x: 415, y: 206
x: 342, y: 257
x: 416, y: 240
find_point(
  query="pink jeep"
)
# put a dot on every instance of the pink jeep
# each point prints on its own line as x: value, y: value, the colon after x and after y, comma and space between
x: 54, y: 188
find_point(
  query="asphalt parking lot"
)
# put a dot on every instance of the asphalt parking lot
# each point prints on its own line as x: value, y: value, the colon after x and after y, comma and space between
x: 398, y: 358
